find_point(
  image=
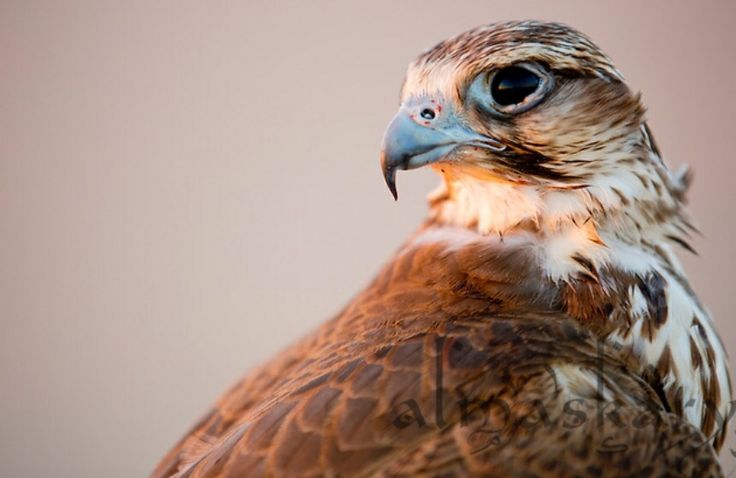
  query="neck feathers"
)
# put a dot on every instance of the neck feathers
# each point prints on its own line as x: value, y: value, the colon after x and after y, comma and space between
x: 632, y: 196
x: 607, y: 248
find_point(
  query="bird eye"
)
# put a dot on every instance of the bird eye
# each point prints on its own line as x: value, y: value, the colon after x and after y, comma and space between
x: 513, y: 85
x: 510, y: 90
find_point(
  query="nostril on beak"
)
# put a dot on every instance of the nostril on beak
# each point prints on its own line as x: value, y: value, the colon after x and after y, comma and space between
x: 428, y: 114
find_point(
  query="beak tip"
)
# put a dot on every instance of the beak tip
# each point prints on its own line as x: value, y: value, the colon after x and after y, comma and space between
x: 389, y: 175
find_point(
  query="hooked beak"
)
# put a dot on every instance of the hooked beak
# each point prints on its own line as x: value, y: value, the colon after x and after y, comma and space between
x: 420, y: 135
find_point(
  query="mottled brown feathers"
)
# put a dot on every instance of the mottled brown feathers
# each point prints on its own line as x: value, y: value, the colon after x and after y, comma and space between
x: 433, y: 369
x: 537, y: 324
x: 568, y: 51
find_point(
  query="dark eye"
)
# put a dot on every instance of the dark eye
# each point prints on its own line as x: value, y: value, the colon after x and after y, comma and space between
x: 513, y: 85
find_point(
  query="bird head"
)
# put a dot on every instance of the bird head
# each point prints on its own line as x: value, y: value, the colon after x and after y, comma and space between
x: 528, y: 122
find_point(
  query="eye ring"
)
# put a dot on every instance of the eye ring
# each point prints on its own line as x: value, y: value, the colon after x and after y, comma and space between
x: 519, y: 87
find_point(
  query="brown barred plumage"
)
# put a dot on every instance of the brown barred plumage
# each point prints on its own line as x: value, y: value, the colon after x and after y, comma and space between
x: 538, y: 324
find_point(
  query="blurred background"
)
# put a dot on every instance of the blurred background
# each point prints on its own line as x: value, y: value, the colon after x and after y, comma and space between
x: 185, y: 188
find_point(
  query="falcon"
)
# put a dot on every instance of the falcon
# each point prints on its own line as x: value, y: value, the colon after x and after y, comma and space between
x: 538, y: 323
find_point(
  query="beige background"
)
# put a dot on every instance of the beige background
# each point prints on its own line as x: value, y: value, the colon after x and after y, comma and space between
x: 185, y: 188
